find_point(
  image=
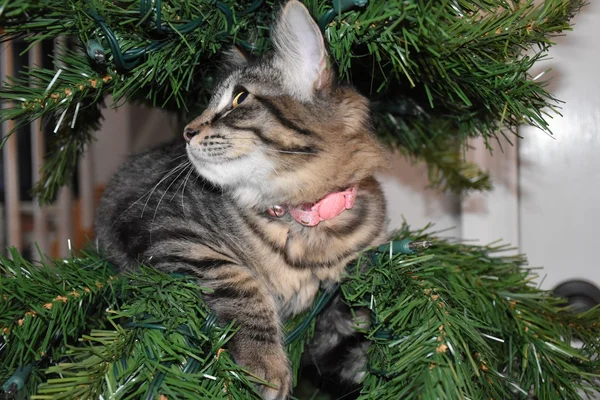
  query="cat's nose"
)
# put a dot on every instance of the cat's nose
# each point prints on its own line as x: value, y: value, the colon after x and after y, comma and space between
x: 189, y: 133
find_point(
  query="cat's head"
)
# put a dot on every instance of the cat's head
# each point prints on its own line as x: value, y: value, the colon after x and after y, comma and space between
x: 279, y: 129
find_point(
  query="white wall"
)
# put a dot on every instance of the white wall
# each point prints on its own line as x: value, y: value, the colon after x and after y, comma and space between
x: 126, y: 130
x: 408, y: 198
x: 493, y: 216
x: 560, y: 176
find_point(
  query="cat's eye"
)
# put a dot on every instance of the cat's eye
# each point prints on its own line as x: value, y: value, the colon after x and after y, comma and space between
x: 239, y: 98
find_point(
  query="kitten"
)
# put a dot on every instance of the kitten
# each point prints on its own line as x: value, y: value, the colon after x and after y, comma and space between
x: 225, y: 204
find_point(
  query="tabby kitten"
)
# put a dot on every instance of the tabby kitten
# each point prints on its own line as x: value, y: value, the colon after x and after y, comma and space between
x: 278, y: 133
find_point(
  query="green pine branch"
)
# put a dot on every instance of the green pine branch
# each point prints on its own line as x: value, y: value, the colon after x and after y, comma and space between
x: 439, y: 72
x: 454, y: 321
x: 69, y: 101
x: 163, y: 341
x: 463, y: 321
x: 144, y: 334
x: 42, y: 310
x: 431, y: 139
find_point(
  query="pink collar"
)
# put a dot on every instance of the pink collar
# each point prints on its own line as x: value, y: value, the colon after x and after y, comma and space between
x: 329, y: 207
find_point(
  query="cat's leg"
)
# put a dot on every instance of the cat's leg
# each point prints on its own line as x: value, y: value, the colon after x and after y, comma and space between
x: 240, y: 296
x: 336, y: 357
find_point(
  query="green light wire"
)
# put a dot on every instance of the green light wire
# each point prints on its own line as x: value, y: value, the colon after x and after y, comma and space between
x: 17, y: 381
x: 339, y: 6
x: 133, y: 57
x: 322, y: 301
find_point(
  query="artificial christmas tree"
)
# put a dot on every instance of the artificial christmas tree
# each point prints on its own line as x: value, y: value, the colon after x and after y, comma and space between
x: 453, y: 321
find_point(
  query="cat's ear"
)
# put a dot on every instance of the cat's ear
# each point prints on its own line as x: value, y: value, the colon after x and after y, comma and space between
x: 234, y: 58
x: 300, y: 51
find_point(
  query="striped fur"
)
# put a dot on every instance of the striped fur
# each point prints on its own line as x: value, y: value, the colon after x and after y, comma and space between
x: 201, y: 207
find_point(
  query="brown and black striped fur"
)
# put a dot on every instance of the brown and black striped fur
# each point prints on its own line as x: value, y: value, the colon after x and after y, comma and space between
x: 200, y: 206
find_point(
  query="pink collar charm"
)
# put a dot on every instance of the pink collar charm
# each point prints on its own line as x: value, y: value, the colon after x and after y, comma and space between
x: 329, y: 207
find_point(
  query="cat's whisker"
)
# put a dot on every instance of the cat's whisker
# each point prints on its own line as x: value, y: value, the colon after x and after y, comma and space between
x: 183, y: 190
x: 286, y: 151
x: 189, y: 167
x: 167, y: 189
x: 290, y: 152
x: 148, y: 193
x: 170, y: 161
x: 172, y: 172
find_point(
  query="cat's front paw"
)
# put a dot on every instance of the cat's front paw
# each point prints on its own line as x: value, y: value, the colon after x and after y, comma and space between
x: 273, y: 366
